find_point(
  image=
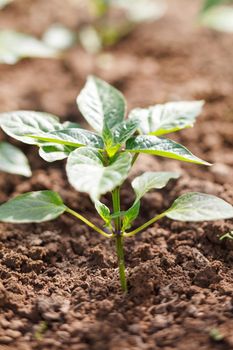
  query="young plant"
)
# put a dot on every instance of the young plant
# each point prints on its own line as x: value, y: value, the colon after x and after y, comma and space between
x: 99, y: 161
x: 13, y: 160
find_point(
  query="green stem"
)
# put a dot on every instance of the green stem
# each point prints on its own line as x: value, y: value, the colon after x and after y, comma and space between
x: 119, y: 238
x: 135, y: 157
x: 121, y: 262
x: 142, y: 227
x: 116, y: 209
x: 87, y: 222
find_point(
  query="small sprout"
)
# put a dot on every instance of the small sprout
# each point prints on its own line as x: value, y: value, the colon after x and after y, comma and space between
x: 99, y: 162
x: 216, y: 335
x: 13, y: 160
x: 228, y: 235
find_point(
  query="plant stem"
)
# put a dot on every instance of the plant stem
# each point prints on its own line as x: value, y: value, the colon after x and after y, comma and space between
x: 116, y: 209
x: 119, y: 238
x: 87, y: 222
x: 121, y: 262
x: 142, y: 227
x: 135, y: 157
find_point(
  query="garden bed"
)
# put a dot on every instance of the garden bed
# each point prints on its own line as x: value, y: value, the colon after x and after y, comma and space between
x: 59, y: 284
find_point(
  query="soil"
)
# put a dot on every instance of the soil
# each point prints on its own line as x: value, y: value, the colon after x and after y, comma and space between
x: 59, y: 285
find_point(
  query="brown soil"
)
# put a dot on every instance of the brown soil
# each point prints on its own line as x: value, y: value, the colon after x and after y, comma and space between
x: 59, y: 284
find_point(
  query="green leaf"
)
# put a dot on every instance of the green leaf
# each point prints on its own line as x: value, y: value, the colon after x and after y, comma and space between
x: 17, y: 124
x: 13, y: 160
x: 195, y: 206
x: 163, y: 119
x: 101, y: 104
x: 104, y: 213
x: 161, y: 147
x: 130, y: 215
x: 87, y: 173
x: 52, y: 152
x: 151, y: 180
x: 15, y: 46
x: 117, y: 136
x: 71, y: 137
x: 32, y: 207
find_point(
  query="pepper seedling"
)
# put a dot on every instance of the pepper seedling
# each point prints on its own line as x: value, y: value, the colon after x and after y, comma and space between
x: 99, y: 161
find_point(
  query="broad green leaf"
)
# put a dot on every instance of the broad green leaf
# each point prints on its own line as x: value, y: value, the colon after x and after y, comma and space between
x: 101, y: 104
x: 15, y: 46
x: 17, y: 124
x: 13, y: 160
x: 219, y: 18
x: 87, y: 173
x: 195, y: 206
x: 151, y: 180
x: 36, y: 206
x: 71, y: 137
x: 130, y: 215
x: 163, y: 119
x: 161, y: 147
x: 52, y: 152
x: 104, y: 213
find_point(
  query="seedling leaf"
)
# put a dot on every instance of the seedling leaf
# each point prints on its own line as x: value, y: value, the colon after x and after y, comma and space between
x: 104, y: 213
x: 17, y: 124
x: 161, y: 147
x: 53, y: 152
x: 87, y: 173
x: 13, y: 160
x: 169, y: 117
x: 32, y: 207
x: 71, y: 137
x: 117, y: 136
x: 195, y: 206
x: 130, y: 215
x: 151, y: 180
x: 102, y: 105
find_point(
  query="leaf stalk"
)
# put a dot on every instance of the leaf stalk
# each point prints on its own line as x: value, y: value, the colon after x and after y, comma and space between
x: 87, y: 222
